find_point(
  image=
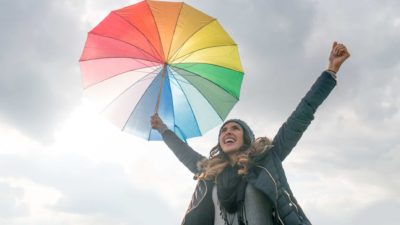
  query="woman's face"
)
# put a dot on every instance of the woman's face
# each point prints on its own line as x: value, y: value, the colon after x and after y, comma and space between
x: 231, y: 137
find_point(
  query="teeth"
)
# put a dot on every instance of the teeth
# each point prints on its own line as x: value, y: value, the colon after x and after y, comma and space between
x: 229, y: 140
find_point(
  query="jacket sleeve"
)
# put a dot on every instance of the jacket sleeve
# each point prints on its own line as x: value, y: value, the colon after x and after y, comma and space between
x: 291, y: 131
x: 182, y: 151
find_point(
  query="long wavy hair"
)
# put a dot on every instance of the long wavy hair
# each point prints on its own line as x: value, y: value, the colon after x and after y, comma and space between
x: 218, y: 160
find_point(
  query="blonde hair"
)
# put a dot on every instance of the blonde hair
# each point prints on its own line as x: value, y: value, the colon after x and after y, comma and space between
x: 218, y: 160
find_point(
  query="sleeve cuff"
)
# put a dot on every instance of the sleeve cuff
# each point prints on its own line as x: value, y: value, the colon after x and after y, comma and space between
x: 162, y: 128
x: 332, y: 73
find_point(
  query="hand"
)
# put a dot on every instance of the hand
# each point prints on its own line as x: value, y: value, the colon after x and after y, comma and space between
x: 338, y: 55
x: 156, y: 121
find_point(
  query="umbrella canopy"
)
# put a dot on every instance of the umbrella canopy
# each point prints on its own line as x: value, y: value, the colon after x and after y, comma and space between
x: 166, y: 57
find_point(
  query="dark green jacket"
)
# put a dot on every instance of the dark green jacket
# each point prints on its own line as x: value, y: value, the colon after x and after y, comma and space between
x: 268, y: 175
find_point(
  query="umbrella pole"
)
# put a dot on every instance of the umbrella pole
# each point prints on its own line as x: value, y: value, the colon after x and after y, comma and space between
x: 161, y: 87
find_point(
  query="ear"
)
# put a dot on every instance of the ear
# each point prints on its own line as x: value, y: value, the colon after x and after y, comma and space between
x: 246, y: 139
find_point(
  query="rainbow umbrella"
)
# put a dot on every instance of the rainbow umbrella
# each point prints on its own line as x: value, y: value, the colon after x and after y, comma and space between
x: 164, y: 57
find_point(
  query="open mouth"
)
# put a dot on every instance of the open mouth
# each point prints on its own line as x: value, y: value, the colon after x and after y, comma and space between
x: 229, y: 141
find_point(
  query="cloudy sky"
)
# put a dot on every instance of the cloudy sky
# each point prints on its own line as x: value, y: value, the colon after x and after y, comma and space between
x: 61, y: 163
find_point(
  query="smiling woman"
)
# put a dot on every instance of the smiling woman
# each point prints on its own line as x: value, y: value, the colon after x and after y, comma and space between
x: 231, y: 138
x: 243, y: 181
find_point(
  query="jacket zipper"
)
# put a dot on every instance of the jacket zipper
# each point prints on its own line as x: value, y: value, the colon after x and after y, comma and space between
x: 205, y: 193
x: 290, y: 199
x: 277, y: 194
x: 276, y: 200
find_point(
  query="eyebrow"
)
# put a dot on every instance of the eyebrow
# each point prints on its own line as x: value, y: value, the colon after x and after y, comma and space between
x: 234, y: 126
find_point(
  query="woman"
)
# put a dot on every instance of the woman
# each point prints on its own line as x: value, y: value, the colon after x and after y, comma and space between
x: 243, y: 181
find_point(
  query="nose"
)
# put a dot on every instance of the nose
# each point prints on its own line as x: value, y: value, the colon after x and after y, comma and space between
x: 224, y: 133
x: 228, y: 131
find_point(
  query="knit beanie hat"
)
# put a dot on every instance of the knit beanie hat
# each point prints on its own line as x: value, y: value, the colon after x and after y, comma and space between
x: 247, y: 132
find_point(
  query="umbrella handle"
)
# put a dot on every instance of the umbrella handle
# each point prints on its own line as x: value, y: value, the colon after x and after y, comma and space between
x: 161, y: 87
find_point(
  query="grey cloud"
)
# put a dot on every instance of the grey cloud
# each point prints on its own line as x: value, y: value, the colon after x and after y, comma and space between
x: 270, y: 36
x: 283, y: 47
x: 100, y: 190
x: 381, y: 212
x: 40, y: 81
x: 369, y: 78
x: 273, y: 42
x: 280, y: 72
x: 385, y: 210
x: 357, y: 174
x: 362, y: 159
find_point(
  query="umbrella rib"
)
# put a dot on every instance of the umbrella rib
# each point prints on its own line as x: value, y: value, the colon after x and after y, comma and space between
x: 206, y: 64
x: 114, y: 75
x: 154, y: 48
x: 140, y: 49
x: 200, y: 49
x: 203, y: 95
x: 133, y: 110
x: 173, y: 34
x: 118, y: 57
x: 206, y: 78
x: 126, y: 89
x: 130, y: 86
x: 158, y: 32
x: 191, y: 53
x: 200, y: 28
x: 187, y: 100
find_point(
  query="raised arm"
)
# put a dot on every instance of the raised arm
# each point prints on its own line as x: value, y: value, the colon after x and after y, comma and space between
x: 291, y: 131
x: 182, y: 151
